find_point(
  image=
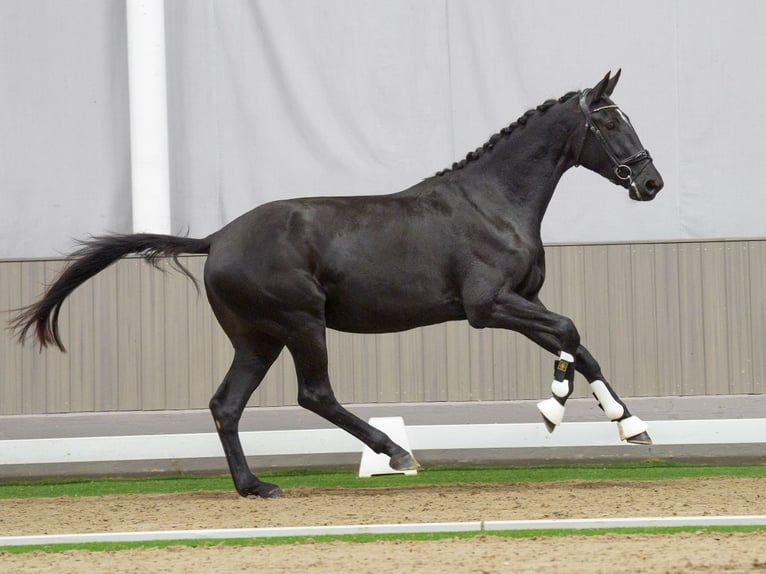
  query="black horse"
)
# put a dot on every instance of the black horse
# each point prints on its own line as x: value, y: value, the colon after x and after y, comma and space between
x: 463, y: 244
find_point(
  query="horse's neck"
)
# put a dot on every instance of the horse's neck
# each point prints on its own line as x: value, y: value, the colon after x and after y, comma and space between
x: 527, y: 166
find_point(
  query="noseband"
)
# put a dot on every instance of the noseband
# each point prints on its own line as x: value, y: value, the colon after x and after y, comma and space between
x: 622, y: 167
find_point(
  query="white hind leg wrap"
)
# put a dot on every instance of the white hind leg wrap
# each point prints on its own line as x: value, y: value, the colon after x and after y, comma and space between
x: 612, y: 409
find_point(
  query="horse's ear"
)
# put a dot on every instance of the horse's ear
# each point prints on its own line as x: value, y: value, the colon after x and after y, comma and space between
x: 612, y: 83
x: 599, y: 89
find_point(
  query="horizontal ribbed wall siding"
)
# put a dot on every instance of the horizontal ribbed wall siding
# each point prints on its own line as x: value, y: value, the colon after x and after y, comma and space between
x: 662, y: 319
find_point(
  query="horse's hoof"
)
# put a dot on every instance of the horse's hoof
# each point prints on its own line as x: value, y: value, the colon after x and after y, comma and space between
x: 404, y: 461
x: 553, y: 413
x: 261, y: 490
x: 549, y: 425
x: 273, y: 491
x: 633, y: 430
x: 642, y: 438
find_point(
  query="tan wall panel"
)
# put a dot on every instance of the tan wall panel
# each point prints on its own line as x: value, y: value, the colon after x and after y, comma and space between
x: 691, y: 320
x: 11, y: 357
x: 757, y: 279
x: 739, y: 318
x: 663, y: 319
x: 667, y: 297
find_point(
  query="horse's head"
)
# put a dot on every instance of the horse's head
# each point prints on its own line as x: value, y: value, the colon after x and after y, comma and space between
x: 609, y: 144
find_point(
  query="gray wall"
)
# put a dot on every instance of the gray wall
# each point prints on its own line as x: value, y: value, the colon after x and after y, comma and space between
x: 664, y: 319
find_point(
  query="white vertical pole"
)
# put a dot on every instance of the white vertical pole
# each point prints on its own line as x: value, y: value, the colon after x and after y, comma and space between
x: 150, y: 169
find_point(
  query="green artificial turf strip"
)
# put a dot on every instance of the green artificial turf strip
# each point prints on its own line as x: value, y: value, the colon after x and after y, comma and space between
x: 650, y: 470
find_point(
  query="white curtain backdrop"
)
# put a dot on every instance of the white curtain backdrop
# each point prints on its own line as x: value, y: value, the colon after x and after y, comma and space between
x: 64, y: 134
x: 271, y: 99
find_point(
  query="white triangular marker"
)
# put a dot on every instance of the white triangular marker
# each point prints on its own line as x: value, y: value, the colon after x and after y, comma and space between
x: 373, y: 463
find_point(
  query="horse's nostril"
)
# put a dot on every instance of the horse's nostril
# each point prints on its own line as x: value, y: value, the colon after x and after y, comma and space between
x: 653, y: 186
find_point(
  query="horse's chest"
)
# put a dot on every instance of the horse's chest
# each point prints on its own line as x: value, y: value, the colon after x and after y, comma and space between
x: 524, y: 270
x: 532, y: 282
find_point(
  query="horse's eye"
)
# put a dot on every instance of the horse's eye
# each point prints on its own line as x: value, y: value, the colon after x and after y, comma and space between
x: 610, y: 125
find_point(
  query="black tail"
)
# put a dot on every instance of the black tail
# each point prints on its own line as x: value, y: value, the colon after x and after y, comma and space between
x: 95, y: 255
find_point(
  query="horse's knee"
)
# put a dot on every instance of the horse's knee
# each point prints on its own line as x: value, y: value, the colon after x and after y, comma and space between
x: 568, y: 334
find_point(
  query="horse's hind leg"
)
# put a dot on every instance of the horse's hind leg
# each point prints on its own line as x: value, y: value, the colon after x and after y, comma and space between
x: 251, y: 362
x: 315, y: 393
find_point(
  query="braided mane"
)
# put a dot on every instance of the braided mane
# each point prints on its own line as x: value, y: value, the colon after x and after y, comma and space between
x: 505, y: 132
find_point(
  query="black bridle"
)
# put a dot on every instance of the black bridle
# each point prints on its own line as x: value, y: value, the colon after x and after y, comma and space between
x: 622, y: 169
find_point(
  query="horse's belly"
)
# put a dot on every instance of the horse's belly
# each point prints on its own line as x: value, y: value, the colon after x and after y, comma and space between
x: 384, y: 314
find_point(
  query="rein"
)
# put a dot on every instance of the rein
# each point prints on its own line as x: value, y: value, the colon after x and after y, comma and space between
x: 622, y: 167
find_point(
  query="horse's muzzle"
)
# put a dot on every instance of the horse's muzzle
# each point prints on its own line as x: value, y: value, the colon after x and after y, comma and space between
x: 647, y: 184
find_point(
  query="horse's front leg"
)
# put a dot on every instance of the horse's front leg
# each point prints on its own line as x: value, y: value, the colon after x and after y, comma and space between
x: 558, y: 335
x: 630, y: 427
